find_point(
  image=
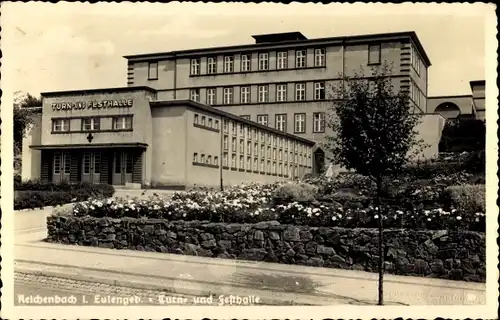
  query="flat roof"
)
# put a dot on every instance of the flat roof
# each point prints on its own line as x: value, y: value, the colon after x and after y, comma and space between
x: 365, y: 38
x: 97, y: 91
x: 199, y: 106
x: 279, y: 37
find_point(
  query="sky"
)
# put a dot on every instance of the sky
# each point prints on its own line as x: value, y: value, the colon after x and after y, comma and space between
x: 70, y: 46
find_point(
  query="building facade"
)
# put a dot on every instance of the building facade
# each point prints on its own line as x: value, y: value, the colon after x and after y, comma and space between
x: 282, y: 80
x: 126, y: 136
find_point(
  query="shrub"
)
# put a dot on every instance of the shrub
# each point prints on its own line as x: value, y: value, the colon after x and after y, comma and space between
x: 466, y: 198
x: 39, y: 199
x: 295, y: 192
x: 475, y: 162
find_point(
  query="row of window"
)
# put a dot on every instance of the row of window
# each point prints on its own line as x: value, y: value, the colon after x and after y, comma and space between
x: 414, y: 93
x: 262, y: 93
x: 206, y: 121
x: 206, y: 159
x: 92, y: 124
x: 263, y: 58
x: 261, y: 165
x: 415, y: 60
x: 282, y: 62
x: 299, y: 119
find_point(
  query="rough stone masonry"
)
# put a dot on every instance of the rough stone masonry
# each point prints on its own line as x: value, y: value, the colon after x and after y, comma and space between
x: 430, y: 253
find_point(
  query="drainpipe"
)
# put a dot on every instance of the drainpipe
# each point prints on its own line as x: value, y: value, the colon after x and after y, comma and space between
x: 175, y: 77
x: 220, y: 156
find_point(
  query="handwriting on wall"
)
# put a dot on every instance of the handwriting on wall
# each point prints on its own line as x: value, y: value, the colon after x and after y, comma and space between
x: 104, y: 104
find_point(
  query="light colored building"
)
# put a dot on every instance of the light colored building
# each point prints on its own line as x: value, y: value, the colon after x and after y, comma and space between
x: 126, y: 136
x: 283, y: 80
x: 469, y: 105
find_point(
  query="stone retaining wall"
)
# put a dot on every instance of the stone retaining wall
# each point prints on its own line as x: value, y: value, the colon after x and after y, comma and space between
x: 430, y: 253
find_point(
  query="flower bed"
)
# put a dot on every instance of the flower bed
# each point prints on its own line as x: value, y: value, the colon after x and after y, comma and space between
x: 440, y: 254
x: 255, y: 203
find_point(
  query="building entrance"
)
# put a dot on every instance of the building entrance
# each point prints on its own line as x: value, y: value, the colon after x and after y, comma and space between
x: 123, y: 167
x: 91, y: 167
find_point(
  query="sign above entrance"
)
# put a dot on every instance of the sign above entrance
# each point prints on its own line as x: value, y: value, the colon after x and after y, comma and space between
x: 104, y: 104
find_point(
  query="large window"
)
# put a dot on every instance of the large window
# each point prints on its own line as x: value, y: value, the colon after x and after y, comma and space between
x: 245, y: 95
x: 281, y: 92
x: 282, y: 60
x: 263, y: 61
x: 300, y: 123
x: 57, y: 165
x: 153, y: 71
x: 319, y: 122
x: 194, y: 95
x: 262, y: 119
x: 211, y: 65
x: 90, y: 124
x: 415, y: 60
x: 264, y: 93
x: 300, y: 91
x: 246, y: 62
x: 60, y: 125
x: 300, y: 58
x: 228, y: 64
x: 374, y: 54
x: 195, y: 66
x: 211, y: 96
x: 281, y: 122
x: 228, y: 95
x: 319, y: 91
x: 319, y: 57
x: 122, y: 123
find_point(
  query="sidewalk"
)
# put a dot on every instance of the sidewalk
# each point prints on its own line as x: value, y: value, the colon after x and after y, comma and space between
x: 202, y: 276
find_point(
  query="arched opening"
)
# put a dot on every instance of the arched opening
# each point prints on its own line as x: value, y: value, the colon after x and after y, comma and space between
x: 449, y: 110
x: 319, y: 162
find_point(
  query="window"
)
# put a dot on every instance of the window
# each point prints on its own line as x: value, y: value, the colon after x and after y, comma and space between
x: 274, y: 153
x: 216, y: 160
x: 226, y: 142
x: 256, y: 149
x: 300, y: 91
x: 122, y: 123
x: 195, y: 157
x: 225, y: 124
x: 300, y: 123
x: 249, y: 163
x: 212, y: 65
x: 233, y: 127
x: 242, y: 162
x: 319, y: 91
x: 268, y: 154
x: 153, y: 71
x: 245, y: 95
x: 319, y: 57
x: 274, y: 167
x: 89, y: 124
x: 233, y: 161
x: 209, y: 160
x: 300, y: 58
x: 196, y: 119
x: 203, y: 120
x: 249, y: 131
x: 57, y: 163
x: 415, y: 60
x: 281, y: 92
x: 319, y: 122
x: 210, y: 122
x: 228, y: 95
x: 233, y: 145
x: 249, y: 147
x: 60, y: 125
x: 282, y: 60
x: 374, y: 54
x: 67, y: 162
x: 415, y: 93
x: 255, y: 164
x: 216, y: 124
x: 264, y: 93
x: 202, y: 158
x: 242, y: 146
x: 228, y: 64
x: 263, y: 61
x: 245, y: 62
x: 281, y: 122
x: 224, y: 159
x: 242, y: 130
x: 247, y: 117
x: 211, y: 98
x: 262, y: 119
x: 195, y: 66
x: 268, y: 167
x: 194, y: 95
x: 262, y: 165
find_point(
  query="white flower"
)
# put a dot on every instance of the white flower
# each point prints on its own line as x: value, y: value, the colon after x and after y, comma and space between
x: 399, y: 212
x: 334, y: 218
x: 428, y: 219
x: 459, y: 218
x: 376, y: 216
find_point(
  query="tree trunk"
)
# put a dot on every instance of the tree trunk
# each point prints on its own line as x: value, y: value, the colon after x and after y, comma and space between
x: 380, y: 245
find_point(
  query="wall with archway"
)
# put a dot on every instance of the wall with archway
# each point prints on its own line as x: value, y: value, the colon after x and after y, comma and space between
x: 445, y: 105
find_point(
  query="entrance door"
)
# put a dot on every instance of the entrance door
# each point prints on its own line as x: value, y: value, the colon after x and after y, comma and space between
x: 319, y: 162
x: 91, y: 167
x: 123, y: 167
x: 61, y: 167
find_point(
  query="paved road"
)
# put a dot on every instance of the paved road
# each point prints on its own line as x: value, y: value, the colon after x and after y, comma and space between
x: 41, y: 290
